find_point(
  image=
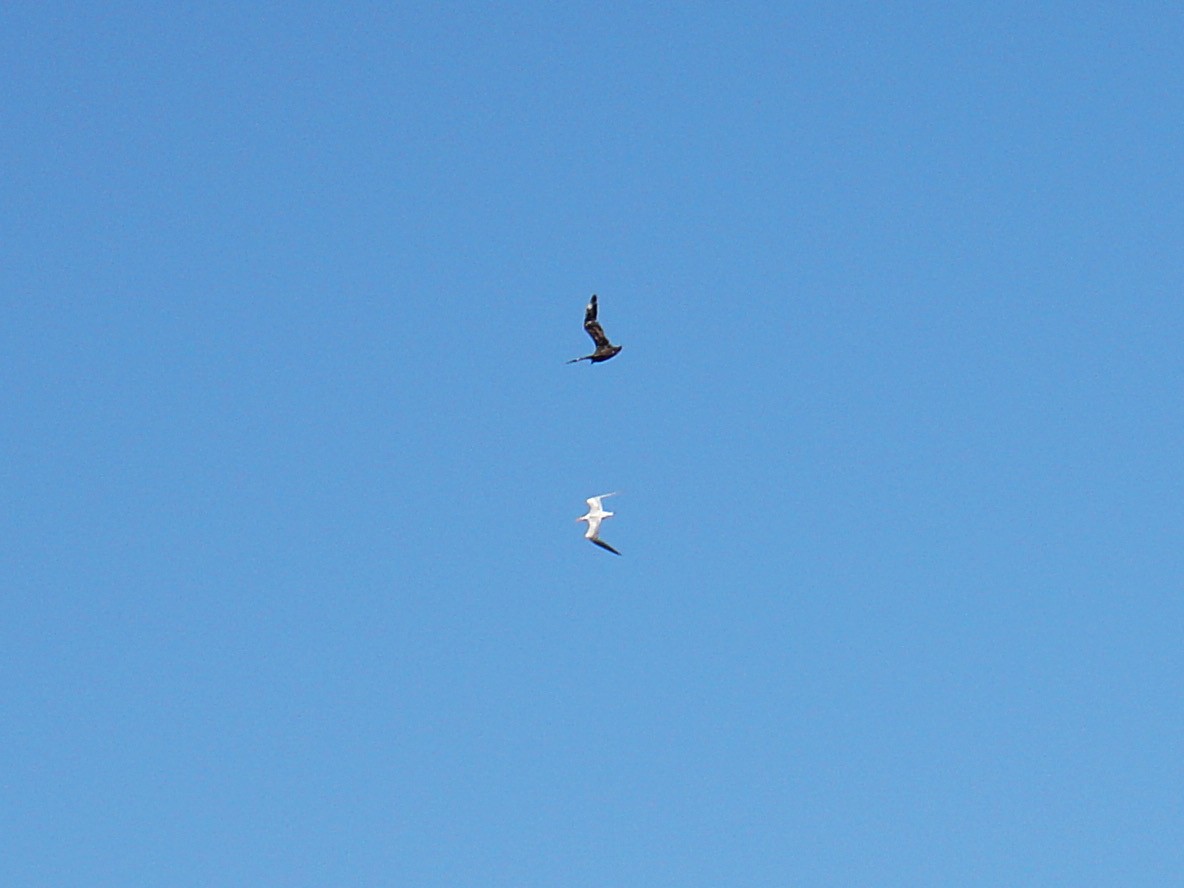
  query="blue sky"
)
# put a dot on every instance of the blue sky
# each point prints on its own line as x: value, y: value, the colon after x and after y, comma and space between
x: 293, y: 593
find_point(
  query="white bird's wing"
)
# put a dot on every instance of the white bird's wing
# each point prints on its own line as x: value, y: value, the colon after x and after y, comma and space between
x: 605, y: 545
x: 593, y: 526
x: 594, y: 501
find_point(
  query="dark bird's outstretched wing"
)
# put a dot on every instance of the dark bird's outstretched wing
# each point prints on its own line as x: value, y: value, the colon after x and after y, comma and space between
x: 604, y: 545
x: 592, y: 326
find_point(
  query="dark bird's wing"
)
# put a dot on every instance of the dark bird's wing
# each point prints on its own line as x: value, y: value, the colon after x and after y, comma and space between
x: 604, y: 545
x: 597, y: 333
x: 592, y: 326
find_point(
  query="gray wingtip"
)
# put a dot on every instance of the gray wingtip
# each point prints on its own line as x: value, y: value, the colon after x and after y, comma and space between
x: 603, y: 545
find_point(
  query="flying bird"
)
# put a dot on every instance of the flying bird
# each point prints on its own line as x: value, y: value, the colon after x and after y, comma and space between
x: 604, y: 348
x: 595, y: 515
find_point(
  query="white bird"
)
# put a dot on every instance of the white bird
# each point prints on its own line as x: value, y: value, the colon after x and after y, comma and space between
x: 595, y: 515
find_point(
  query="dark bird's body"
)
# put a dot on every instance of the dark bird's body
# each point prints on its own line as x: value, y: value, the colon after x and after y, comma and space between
x: 604, y: 348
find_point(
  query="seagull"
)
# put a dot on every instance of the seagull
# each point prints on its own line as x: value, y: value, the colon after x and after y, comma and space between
x: 595, y: 515
x: 604, y: 348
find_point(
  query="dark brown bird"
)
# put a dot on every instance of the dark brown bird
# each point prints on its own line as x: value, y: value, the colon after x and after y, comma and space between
x: 604, y: 348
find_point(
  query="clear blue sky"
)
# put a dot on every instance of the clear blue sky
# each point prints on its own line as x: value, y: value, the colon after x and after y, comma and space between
x: 292, y: 590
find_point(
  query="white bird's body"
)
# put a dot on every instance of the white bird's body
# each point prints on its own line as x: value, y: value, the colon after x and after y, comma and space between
x: 597, y: 514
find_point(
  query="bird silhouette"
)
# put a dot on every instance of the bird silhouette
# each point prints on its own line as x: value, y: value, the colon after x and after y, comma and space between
x: 604, y: 348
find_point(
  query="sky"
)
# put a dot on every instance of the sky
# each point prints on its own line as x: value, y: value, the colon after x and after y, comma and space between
x: 291, y: 589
